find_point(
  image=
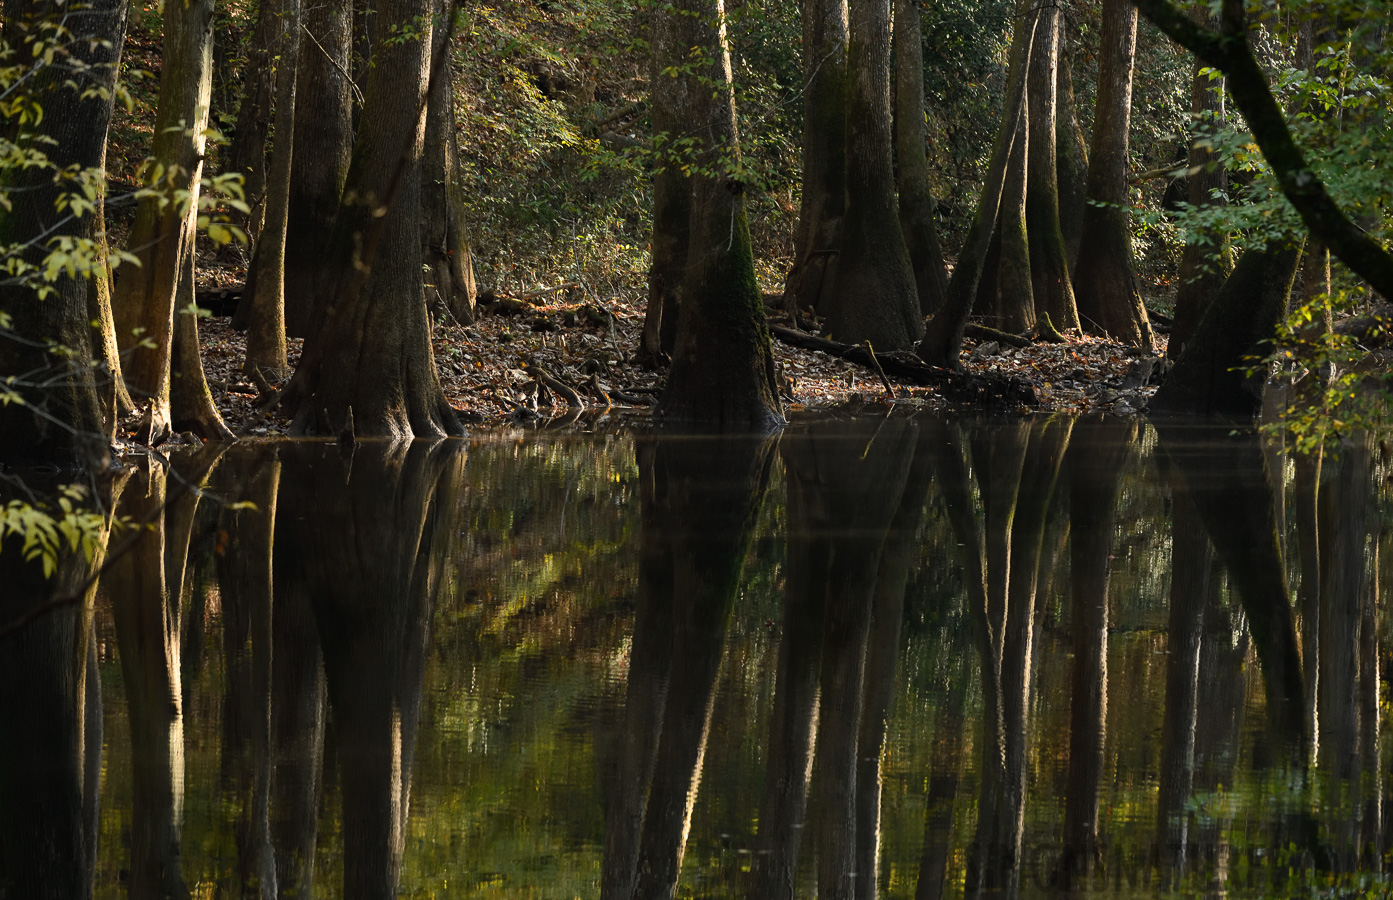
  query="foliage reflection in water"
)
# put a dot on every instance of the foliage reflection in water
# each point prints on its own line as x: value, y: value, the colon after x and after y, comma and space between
x: 898, y: 656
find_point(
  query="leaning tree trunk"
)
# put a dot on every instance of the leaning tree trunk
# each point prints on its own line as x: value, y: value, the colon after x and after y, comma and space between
x: 1006, y: 295
x: 1049, y: 257
x: 876, y: 299
x: 263, y: 303
x: 672, y: 187
x: 162, y: 238
x: 943, y: 338
x: 368, y: 359
x: 444, y: 233
x: 723, y: 365
x: 323, y: 145
x: 115, y: 398
x: 912, y: 161
x: 816, y: 240
x: 1104, y: 284
x: 60, y: 418
x: 1213, y: 375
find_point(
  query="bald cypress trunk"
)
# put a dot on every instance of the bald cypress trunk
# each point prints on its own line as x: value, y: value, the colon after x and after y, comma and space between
x: 1202, y: 267
x: 722, y: 365
x: 264, y: 301
x: 247, y: 152
x: 1049, y: 257
x: 1106, y: 289
x: 323, y: 146
x: 61, y: 420
x: 146, y: 297
x: 912, y: 162
x: 369, y: 348
x: 876, y: 299
x: 816, y: 243
x: 672, y: 187
x: 1071, y: 158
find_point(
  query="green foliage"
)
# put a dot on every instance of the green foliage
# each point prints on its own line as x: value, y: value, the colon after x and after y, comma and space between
x: 47, y: 532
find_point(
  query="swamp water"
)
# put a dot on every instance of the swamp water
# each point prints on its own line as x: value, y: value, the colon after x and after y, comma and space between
x: 939, y: 656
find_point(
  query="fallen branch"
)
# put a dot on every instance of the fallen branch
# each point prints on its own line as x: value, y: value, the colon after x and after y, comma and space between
x: 553, y: 383
x: 879, y: 370
x: 960, y: 387
x: 984, y: 333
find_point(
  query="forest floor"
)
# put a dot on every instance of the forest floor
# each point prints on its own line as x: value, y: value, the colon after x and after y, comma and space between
x: 489, y: 370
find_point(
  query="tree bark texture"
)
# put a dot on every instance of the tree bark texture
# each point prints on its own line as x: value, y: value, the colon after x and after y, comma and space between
x: 1051, y: 284
x: 247, y: 152
x: 60, y: 419
x: 323, y: 147
x: 369, y: 350
x: 722, y: 372
x: 816, y: 242
x: 450, y: 286
x: 1202, y: 265
x: 162, y: 237
x: 264, y: 298
x: 1006, y: 293
x: 673, y: 105
x: 876, y: 299
x: 912, y: 162
x: 1104, y: 284
x: 1071, y: 158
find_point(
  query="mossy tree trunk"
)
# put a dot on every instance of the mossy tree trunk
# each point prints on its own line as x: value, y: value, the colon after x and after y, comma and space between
x: 1051, y: 284
x: 1006, y: 294
x: 262, y: 307
x: 816, y: 240
x: 445, y: 246
x: 943, y: 337
x: 1104, y: 283
x: 875, y: 298
x: 912, y: 161
x: 672, y: 105
x: 323, y: 147
x: 369, y: 348
x: 1212, y: 375
x: 60, y: 420
x: 148, y: 297
x: 722, y: 372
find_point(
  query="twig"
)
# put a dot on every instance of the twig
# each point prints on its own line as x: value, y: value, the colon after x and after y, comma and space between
x: 879, y: 370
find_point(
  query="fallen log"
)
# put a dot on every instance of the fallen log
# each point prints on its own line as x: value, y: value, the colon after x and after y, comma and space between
x: 985, y: 333
x: 986, y: 389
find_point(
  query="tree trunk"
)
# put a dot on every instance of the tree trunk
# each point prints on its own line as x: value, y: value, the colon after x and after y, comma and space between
x: 876, y: 299
x: 1202, y: 266
x: 912, y: 161
x: 247, y: 152
x: 1071, y: 158
x: 1212, y: 376
x: 369, y: 350
x: 722, y: 366
x: 323, y: 145
x: 445, y: 234
x: 60, y: 419
x: 190, y: 401
x: 816, y: 242
x: 943, y: 337
x: 162, y: 238
x: 1051, y: 284
x: 263, y: 302
x: 115, y: 398
x: 1105, y: 286
x: 1006, y: 296
x: 672, y: 105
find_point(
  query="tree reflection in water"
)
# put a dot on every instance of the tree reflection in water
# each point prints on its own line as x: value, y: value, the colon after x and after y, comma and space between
x: 875, y: 656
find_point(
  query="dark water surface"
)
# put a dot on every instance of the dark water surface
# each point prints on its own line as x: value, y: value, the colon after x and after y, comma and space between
x: 906, y: 657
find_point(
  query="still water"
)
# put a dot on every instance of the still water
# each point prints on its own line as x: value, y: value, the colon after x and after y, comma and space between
x: 876, y: 656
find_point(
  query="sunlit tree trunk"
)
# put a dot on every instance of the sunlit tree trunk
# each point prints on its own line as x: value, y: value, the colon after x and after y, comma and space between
x: 148, y: 297
x: 263, y: 302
